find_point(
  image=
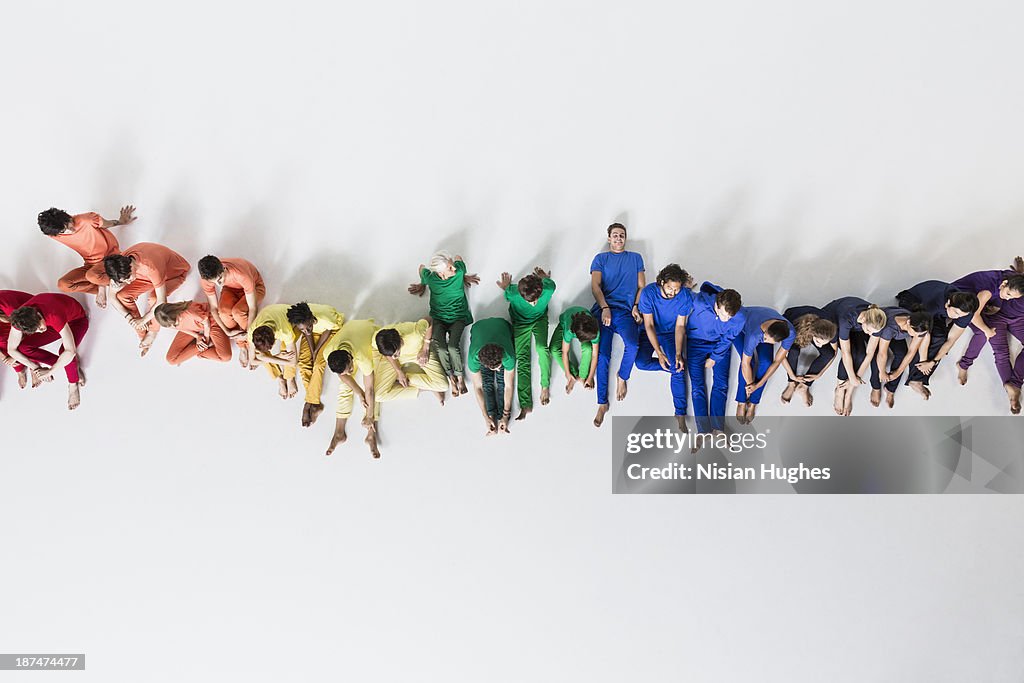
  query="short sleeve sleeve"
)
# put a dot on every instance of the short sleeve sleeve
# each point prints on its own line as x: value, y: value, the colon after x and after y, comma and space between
x: 597, y: 265
x: 646, y: 304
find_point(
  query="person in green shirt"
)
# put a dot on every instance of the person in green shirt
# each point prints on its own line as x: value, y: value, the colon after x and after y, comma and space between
x: 577, y: 323
x: 447, y: 281
x: 528, y: 308
x: 492, y: 365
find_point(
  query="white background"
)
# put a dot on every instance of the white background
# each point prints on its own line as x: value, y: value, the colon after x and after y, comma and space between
x: 182, y: 526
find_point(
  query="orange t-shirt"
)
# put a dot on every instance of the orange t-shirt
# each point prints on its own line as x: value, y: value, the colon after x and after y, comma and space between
x: 193, y: 317
x: 238, y: 274
x: 157, y: 263
x: 89, y: 238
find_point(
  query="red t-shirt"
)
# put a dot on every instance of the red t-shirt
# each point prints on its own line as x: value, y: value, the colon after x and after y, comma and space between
x: 57, y: 309
x: 11, y: 299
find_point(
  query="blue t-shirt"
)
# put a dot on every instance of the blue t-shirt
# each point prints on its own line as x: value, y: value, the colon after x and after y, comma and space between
x: 703, y: 324
x: 845, y: 311
x: 933, y: 295
x: 891, y: 330
x: 754, y: 335
x: 665, y: 311
x: 618, y: 276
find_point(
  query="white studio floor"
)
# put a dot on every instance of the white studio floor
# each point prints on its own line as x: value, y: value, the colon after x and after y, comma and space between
x: 181, y: 526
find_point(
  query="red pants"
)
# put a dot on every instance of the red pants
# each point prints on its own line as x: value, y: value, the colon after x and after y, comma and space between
x: 86, y: 279
x: 234, y: 309
x: 30, y: 347
x: 183, y: 347
x: 130, y: 293
x: 28, y: 342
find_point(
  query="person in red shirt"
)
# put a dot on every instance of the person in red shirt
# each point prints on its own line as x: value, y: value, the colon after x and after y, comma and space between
x: 30, y: 323
x: 89, y: 235
x: 145, y: 268
x: 241, y: 294
x: 197, y: 334
x: 10, y: 300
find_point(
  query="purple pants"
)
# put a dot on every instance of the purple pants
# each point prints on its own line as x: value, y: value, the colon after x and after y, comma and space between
x: 1004, y: 326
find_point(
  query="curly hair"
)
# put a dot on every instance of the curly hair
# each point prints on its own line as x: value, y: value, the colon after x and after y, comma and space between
x: 584, y: 326
x: 53, y: 221
x: 210, y: 267
x: 491, y: 356
x: 300, y: 314
x: 27, y: 319
x: 263, y: 338
x: 810, y: 326
x: 673, y: 273
x: 530, y: 287
x: 118, y: 267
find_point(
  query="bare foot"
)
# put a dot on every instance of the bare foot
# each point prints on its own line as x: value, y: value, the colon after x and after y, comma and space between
x: 314, y: 411
x: 545, y: 395
x: 890, y: 398
x: 741, y: 413
x: 282, y: 387
x: 243, y: 355
x: 339, y: 438
x: 805, y: 393
x: 839, y: 401
x: 920, y: 388
x: 523, y: 413
x: 876, y: 397
x: 371, y: 441
x: 620, y: 389
x: 23, y: 378
x: 848, y: 403
x: 681, y: 423
x: 602, y: 408
x: 101, y: 297
x: 81, y: 376
x: 146, y: 343
x: 441, y: 395
x: 305, y: 415
x: 1013, y: 392
x: 453, y: 384
x: 74, y: 398
x: 961, y: 375
x: 751, y: 412
x: 292, y: 389
x: 462, y: 386
x: 787, y: 393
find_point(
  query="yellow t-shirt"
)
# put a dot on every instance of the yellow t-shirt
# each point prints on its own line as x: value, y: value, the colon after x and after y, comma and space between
x: 356, y: 337
x: 327, y: 318
x: 275, y: 317
x: 413, y: 336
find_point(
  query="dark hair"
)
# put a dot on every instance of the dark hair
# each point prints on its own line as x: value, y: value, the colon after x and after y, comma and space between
x: 616, y: 225
x: 339, y: 361
x: 1016, y: 283
x: 673, y: 273
x: 778, y: 330
x: 389, y: 342
x: 491, y: 356
x: 300, y: 313
x: 921, y: 321
x: 729, y: 300
x: 530, y: 287
x: 965, y: 301
x: 53, y: 221
x: 210, y: 267
x: 118, y: 267
x: 584, y: 326
x: 263, y: 338
x: 26, y: 319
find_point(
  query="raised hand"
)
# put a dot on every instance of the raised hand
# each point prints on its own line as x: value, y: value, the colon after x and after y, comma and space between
x: 470, y: 280
x: 541, y: 273
x: 127, y: 215
x: 417, y: 288
x: 504, y: 281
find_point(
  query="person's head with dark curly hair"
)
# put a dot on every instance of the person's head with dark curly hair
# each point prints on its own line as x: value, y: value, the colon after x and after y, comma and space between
x: 584, y: 326
x: 530, y: 288
x: 727, y: 304
x: 389, y: 342
x: 340, y: 362
x: 28, y: 319
x: 490, y: 356
x: 671, y: 280
x: 211, y: 269
x: 301, y: 317
x: 776, y: 331
x: 263, y: 338
x: 120, y: 268
x: 54, y: 221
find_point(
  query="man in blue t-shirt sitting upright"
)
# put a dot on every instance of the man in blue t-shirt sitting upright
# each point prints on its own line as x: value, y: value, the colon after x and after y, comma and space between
x: 616, y: 278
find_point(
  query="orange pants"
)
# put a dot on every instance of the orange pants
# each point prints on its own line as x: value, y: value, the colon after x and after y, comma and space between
x: 234, y: 310
x: 86, y: 279
x: 130, y: 293
x: 183, y: 347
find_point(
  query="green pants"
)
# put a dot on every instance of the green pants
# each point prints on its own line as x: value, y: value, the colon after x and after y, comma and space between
x: 446, y: 342
x: 579, y: 371
x: 523, y: 333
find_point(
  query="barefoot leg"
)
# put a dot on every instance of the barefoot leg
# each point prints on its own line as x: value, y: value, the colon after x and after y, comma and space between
x: 1013, y: 393
x: 293, y: 390
x: 314, y: 411
x: 890, y: 398
x: 876, y: 397
x: 282, y: 387
x: 545, y: 395
x: 961, y: 375
x: 74, y: 396
x: 839, y: 402
x: 602, y: 408
x: 620, y: 389
x: 523, y: 413
x: 787, y: 393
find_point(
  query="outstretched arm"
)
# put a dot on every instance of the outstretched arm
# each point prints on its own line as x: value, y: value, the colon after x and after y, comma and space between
x: 127, y: 216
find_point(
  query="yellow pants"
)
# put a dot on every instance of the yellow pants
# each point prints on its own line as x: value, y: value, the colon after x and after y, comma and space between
x: 346, y: 399
x: 275, y: 370
x: 312, y: 372
x: 429, y: 377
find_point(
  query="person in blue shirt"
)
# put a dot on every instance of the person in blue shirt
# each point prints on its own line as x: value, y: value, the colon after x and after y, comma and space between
x: 616, y: 278
x: 716, y: 319
x: 763, y: 328
x: 900, y: 325
x: 665, y: 305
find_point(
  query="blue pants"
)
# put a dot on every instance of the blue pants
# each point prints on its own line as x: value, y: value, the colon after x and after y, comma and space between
x: 764, y: 354
x: 493, y: 383
x: 697, y: 353
x: 647, y: 359
x: 627, y: 328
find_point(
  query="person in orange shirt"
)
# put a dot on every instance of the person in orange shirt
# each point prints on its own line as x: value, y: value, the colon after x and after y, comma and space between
x: 145, y: 268
x: 89, y: 235
x: 198, y: 334
x: 241, y: 293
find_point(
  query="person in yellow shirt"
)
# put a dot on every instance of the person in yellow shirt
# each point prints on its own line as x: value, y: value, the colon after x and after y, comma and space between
x: 273, y: 340
x: 349, y: 352
x: 315, y: 324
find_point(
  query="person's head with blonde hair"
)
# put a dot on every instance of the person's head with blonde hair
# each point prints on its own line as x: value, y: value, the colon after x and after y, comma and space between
x: 872, y: 319
x: 167, y: 314
x: 443, y: 264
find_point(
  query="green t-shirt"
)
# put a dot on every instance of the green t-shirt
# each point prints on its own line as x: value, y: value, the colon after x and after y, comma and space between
x: 565, y: 320
x: 523, y: 312
x: 491, y: 331
x: 448, y: 301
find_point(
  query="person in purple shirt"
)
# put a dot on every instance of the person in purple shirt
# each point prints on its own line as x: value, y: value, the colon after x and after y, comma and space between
x: 616, y: 278
x: 717, y: 317
x: 951, y: 311
x: 665, y: 305
x: 900, y: 325
x: 764, y: 327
